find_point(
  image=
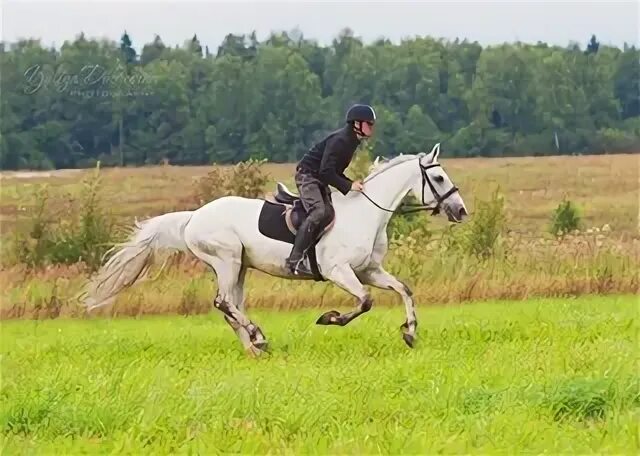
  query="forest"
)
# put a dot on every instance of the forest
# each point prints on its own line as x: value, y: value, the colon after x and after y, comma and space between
x: 100, y: 100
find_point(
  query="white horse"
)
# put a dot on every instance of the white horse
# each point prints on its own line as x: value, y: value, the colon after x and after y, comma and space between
x: 224, y: 234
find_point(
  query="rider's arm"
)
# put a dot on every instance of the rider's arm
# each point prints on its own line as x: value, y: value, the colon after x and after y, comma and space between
x: 328, y: 173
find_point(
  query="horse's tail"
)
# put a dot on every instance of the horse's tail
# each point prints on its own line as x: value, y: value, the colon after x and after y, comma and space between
x: 132, y: 259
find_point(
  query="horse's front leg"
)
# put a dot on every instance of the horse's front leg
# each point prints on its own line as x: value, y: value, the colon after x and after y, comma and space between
x: 382, y: 279
x: 345, y: 278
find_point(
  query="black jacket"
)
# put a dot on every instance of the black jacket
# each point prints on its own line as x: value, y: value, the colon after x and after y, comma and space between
x: 328, y: 159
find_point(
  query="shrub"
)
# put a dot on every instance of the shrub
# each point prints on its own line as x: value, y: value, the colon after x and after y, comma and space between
x: 31, y: 245
x: 565, y: 219
x: 92, y: 231
x: 482, y: 236
x: 413, y: 224
x: 245, y: 179
x: 80, y: 234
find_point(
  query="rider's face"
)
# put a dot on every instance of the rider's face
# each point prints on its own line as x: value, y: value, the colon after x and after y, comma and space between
x: 367, y: 128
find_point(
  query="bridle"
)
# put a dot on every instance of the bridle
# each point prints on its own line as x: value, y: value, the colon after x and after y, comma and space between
x: 435, y: 210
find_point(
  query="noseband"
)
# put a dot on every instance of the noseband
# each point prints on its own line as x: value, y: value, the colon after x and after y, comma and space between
x: 439, y: 199
x: 435, y: 210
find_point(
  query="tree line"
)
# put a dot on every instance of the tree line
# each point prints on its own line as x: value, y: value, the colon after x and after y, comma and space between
x: 102, y: 100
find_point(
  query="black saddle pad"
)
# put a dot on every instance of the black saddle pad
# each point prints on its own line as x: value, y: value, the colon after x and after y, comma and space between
x: 272, y: 223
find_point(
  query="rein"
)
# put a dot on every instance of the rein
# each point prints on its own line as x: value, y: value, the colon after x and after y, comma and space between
x: 416, y: 207
x: 421, y: 207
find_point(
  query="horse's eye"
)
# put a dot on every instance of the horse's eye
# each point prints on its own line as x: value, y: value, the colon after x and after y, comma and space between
x: 439, y: 179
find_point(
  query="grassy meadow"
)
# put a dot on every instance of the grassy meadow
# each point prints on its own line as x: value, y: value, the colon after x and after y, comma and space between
x: 552, y: 376
x: 531, y: 348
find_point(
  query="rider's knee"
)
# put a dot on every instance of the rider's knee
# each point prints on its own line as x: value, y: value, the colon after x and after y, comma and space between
x: 321, y: 214
x: 327, y: 214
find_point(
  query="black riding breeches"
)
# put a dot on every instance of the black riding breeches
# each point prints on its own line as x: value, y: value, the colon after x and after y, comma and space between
x: 316, y: 199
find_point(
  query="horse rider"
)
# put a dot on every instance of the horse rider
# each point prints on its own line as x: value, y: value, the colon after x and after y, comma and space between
x: 323, y: 166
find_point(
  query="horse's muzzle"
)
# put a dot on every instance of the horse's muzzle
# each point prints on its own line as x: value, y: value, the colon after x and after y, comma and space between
x: 457, y: 214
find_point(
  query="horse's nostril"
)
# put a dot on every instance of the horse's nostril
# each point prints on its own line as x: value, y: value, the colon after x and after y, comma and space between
x: 462, y: 212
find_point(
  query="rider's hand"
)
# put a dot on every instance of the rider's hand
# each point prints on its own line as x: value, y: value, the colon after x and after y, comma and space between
x: 357, y: 186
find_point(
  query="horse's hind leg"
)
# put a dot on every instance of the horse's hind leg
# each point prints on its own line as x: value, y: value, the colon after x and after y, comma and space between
x: 227, y: 265
x: 225, y: 301
x: 238, y: 300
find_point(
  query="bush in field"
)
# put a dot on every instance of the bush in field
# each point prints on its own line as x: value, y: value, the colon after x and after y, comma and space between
x: 246, y: 179
x: 30, y: 246
x: 565, y: 218
x: 83, y: 233
x: 92, y: 229
x: 414, y: 224
x: 482, y: 235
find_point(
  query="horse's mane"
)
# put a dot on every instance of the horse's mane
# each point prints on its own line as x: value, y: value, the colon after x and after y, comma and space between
x: 385, y: 164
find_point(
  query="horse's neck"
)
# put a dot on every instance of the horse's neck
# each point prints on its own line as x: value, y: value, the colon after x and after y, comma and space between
x: 387, y: 189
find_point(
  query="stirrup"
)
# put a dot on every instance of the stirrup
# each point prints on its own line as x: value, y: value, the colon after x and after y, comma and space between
x: 299, y: 267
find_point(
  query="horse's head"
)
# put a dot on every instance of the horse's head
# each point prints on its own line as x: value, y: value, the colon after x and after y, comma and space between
x: 433, y: 187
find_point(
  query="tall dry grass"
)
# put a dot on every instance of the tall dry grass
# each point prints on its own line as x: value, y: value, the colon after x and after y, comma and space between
x: 604, y: 186
x: 588, y: 262
x: 500, y: 253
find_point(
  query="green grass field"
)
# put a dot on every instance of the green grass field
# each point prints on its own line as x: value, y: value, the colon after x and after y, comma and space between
x: 556, y: 376
x: 553, y: 376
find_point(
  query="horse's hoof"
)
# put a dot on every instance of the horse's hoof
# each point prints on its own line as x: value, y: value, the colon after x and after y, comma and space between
x: 409, y: 339
x: 253, y: 351
x: 261, y: 345
x: 258, y: 337
x: 328, y: 318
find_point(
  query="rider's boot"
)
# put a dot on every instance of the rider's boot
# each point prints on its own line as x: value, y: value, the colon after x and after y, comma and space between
x: 304, y: 238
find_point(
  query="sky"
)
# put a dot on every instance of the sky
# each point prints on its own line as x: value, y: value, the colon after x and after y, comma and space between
x: 554, y: 22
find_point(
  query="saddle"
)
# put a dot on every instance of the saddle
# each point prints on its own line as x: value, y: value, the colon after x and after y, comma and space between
x: 280, y: 217
x: 294, y: 212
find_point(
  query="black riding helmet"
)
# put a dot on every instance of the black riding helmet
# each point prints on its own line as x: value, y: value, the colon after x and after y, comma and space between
x: 361, y: 112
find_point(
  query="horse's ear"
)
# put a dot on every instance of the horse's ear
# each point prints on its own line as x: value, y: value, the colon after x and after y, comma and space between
x: 376, y: 161
x: 435, y: 152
